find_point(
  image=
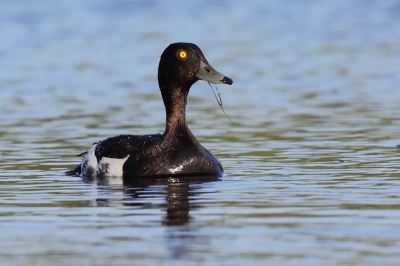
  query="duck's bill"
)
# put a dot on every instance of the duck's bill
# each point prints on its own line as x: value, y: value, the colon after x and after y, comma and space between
x: 208, y: 73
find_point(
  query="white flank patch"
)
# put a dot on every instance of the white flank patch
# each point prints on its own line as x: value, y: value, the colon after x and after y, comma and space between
x: 92, y: 159
x: 111, y: 166
x: 89, y: 162
x: 106, y: 166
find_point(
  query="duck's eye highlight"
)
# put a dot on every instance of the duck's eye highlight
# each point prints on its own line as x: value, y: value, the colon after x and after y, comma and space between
x: 182, y: 54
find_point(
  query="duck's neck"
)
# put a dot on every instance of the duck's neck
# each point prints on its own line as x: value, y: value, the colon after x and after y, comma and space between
x: 175, y: 108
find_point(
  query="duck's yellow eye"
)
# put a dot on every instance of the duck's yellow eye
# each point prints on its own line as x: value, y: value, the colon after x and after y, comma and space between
x: 182, y: 54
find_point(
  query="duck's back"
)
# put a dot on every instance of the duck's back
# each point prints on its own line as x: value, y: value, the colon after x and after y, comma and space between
x: 121, y: 146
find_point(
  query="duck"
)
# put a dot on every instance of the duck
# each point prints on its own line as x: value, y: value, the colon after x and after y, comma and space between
x: 176, y: 152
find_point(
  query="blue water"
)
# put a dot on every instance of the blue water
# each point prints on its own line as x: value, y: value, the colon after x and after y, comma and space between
x: 311, y: 152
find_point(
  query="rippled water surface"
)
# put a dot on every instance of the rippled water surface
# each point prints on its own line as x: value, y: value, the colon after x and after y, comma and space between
x: 311, y: 153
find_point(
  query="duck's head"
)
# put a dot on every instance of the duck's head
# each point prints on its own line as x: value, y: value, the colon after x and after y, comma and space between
x: 181, y: 65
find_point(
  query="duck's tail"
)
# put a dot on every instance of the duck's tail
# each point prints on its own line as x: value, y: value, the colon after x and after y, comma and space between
x: 74, y: 172
x: 77, y: 170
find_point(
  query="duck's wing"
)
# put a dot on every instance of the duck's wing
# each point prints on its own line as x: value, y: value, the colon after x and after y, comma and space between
x: 120, y: 147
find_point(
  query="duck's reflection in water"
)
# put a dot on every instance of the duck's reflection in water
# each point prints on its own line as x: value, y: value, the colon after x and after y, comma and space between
x: 175, y: 195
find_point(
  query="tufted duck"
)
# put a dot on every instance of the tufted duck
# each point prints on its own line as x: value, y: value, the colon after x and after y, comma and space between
x: 177, y: 151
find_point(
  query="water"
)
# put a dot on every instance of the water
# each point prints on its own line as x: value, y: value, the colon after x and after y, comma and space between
x: 311, y: 155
